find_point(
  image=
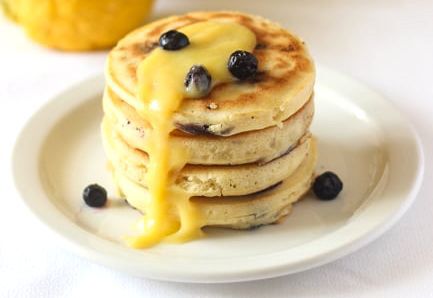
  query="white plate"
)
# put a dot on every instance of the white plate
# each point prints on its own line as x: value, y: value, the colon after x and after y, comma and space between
x: 361, y: 137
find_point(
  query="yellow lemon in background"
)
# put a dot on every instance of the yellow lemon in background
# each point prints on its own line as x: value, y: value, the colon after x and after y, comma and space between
x: 78, y: 25
x: 10, y: 8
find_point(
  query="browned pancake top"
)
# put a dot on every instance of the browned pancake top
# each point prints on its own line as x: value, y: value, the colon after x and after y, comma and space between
x: 286, y: 71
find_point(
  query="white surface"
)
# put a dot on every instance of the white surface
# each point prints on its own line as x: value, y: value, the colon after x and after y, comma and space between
x: 377, y: 156
x: 386, y: 44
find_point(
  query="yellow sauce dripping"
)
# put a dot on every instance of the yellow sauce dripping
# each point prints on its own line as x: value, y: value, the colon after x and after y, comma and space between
x: 169, y: 213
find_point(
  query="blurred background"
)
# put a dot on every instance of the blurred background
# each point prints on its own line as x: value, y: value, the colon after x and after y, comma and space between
x: 386, y: 44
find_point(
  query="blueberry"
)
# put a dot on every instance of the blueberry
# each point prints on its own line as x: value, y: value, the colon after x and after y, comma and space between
x: 242, y: 64
x: 197, y: 81
x: 327, y: 186
x: 173, y: 40
x: 95, y: 195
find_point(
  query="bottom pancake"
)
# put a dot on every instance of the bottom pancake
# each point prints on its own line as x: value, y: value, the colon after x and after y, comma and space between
x: 238, y: 212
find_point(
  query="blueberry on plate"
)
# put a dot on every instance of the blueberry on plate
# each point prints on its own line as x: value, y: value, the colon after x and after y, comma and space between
x: 197, y: 81
x: 173, y: 40
x: 327, y: 186
x: 242, y: 65
x: 95, y: 195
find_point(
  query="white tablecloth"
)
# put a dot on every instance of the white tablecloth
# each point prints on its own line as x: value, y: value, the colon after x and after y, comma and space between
x: 386, y: 44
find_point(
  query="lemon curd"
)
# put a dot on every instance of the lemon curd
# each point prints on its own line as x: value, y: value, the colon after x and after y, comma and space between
x: 169, y: 213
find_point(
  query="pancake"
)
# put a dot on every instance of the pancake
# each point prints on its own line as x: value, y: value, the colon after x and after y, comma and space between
x: 208, y: 181
x: 282, y: 86
x: 255, y: 146
x: 237, y: 156
x: 242, y: 212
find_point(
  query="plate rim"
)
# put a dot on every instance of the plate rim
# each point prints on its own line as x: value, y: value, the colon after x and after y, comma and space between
x: 102, y: 251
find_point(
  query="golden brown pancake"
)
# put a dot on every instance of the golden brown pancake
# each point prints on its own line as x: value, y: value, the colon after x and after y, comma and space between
x: 254, y: 146
x: 251, y: 152
x: 284, y: 82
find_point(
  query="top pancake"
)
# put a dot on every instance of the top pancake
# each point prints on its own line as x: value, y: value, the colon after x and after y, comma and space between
x: 283, y: 84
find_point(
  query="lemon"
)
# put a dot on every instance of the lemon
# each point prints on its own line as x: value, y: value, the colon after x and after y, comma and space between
x: 10, y: 8
x: 78, y: 25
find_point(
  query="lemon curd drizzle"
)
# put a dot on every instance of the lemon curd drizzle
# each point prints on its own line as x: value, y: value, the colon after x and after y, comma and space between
x: 169, y: 213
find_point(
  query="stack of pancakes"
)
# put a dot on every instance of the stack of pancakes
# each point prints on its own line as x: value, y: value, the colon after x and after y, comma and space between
x: 251, y: 154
